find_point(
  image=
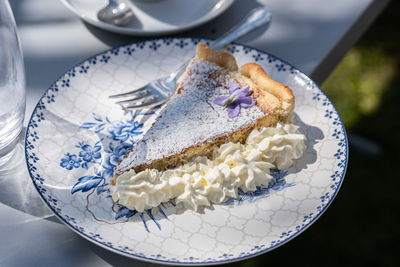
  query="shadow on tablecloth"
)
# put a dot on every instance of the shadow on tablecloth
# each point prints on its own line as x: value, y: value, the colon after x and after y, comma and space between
x: 17, y: 189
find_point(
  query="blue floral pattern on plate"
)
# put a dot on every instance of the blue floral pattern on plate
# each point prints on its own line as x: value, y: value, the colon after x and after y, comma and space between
x: 120, y: 132
x: 76, y: 136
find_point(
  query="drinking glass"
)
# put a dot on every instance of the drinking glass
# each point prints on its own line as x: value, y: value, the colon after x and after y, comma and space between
x: 12, y: 83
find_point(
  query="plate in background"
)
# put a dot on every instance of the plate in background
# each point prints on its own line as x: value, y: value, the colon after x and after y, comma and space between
x: 153, y: 17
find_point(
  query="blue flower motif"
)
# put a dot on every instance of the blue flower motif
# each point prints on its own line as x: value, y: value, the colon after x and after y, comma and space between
x: 39, y: 116
x: 141, y: 44
x: 95, y: 235
x: 258, y: 57
x: 339, y: 154
x: 324, y: 197
x: 196, y: 41
x: 34, y: 136
x: 29, y: 144
x: 52, y: 200
x: 154, y: 46
x: 90, y: 153
x: 41, y: 189
x: 39, y: 179
x: 50, y: 98
x: 181, y: 43
x: 70, y: 161
x: 65, y: 82
x: 328, y: 114
x: 115, y: 155
x: 335, y: 175
x: 246, y: 50
x: 93, y: 60
x: 84, y: 69
x: 41, y: 105
x: 232, y: 49
x: 238, y: 98
x: 336, y: 133
x: 71, y: 73
x: 271, y: 59
x: 336, y: 121
x: 33, y: 157
x: 54, y: 88
x: 115, y: 51
x: 70, y: 219
x: 280, y: 67
x: 105, y: 58
x: 123, y: 131
x: 167, y: 41
x: 293, y: 70
x: 31, y: 167
x: 316, y: 96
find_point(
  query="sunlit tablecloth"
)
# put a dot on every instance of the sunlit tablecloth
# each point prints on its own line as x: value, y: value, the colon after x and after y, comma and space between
x: 311, y: 35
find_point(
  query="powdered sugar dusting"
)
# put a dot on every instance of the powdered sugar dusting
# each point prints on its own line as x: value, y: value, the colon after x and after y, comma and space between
x: 190, y: 118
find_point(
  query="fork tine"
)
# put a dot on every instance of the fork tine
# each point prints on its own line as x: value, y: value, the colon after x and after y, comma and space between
x: 140, y: 95
x: 128, y: 93
x: 149, y: 101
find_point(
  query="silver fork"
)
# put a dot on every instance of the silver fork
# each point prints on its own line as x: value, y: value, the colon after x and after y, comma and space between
x: 159, y: 91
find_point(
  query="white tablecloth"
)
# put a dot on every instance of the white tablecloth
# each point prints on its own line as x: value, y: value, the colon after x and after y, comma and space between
x: 311, y: 35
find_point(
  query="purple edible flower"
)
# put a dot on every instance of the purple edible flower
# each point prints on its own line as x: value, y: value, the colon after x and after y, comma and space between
x: 238, y: 98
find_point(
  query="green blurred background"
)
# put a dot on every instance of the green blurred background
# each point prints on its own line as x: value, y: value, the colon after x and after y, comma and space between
x: 360, y: 228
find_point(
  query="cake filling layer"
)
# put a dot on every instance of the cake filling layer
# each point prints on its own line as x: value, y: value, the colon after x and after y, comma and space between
x: 203, y: 181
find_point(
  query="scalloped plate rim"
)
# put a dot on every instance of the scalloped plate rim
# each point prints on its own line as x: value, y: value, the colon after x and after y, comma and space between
x: 169, y: 262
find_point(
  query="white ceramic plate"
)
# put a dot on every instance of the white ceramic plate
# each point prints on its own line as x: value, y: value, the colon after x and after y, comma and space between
x: 76, y: 135
x: 153, y: 17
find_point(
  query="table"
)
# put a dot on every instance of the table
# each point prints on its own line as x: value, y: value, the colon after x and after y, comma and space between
x: 310, y: 35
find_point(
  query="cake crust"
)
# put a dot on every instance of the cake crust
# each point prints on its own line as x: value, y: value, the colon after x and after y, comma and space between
x: 221, y: 58
x: 271, y: 96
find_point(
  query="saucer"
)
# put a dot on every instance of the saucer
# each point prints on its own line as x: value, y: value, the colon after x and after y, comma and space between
x: 153, y: 17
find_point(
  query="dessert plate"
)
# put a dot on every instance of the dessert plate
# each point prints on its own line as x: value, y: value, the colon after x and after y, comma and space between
x: 153, y: 17
x: 76, y: 135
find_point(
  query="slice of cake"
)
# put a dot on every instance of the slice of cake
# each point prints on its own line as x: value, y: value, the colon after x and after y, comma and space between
x: 215, y: 104
x: 193, y: 124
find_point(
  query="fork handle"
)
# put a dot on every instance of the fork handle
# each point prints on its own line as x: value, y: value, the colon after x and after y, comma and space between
x: 256, y: 18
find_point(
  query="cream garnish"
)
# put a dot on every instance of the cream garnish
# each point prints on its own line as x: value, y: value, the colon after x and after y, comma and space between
x: 203, y: 181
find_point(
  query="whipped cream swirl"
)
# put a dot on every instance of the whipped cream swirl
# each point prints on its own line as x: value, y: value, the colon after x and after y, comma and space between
x: 203, y: 181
